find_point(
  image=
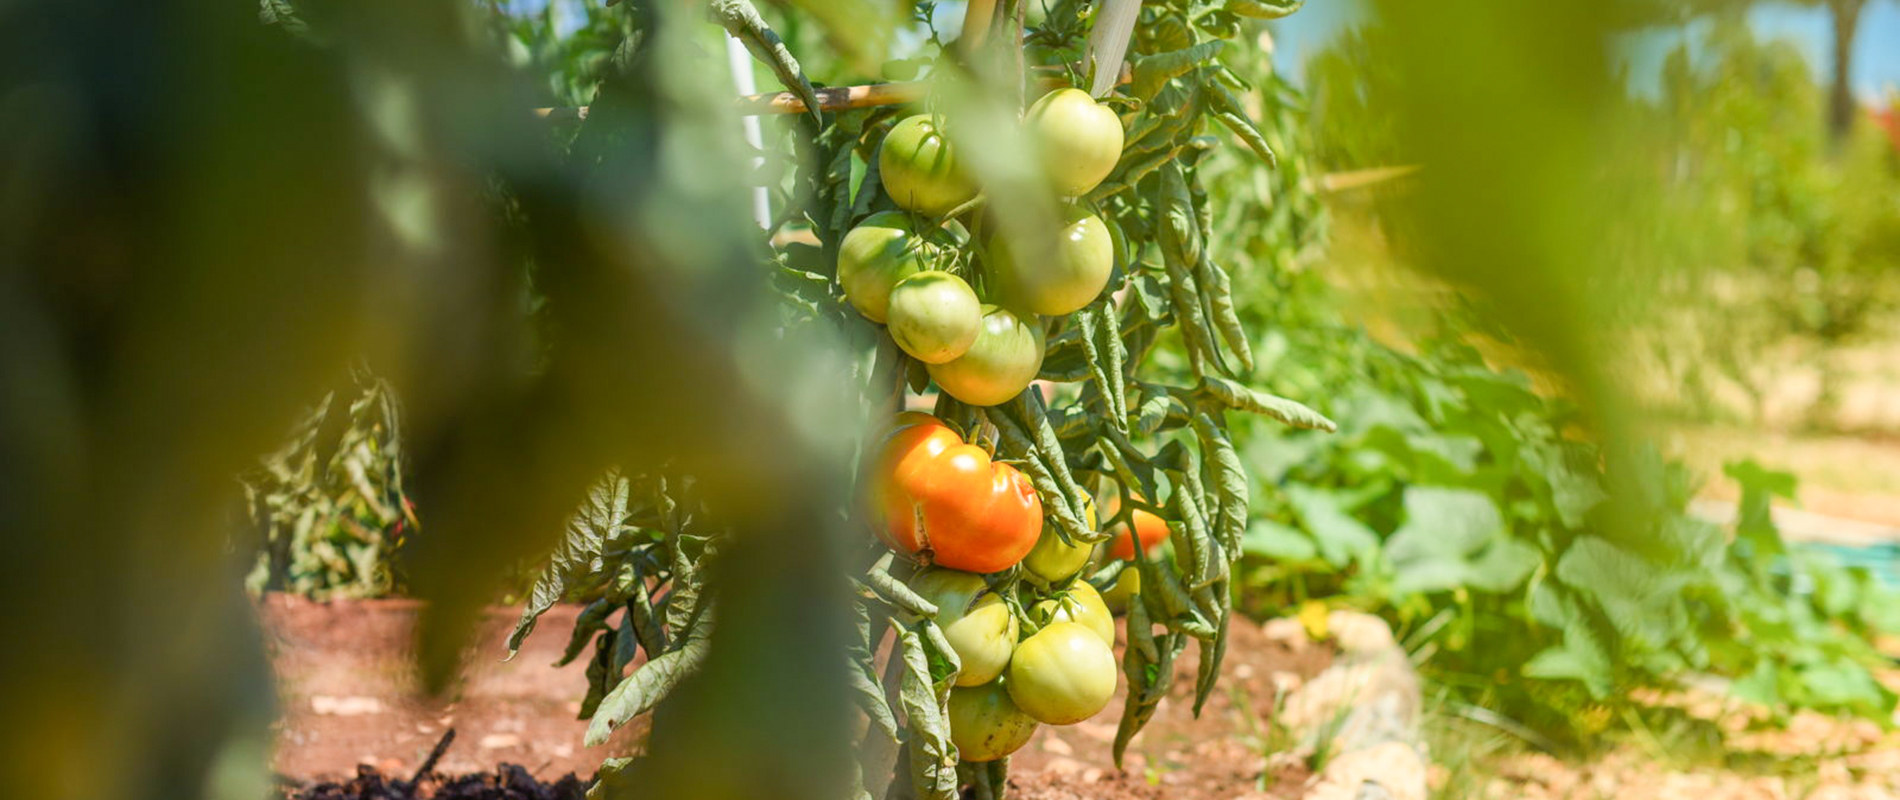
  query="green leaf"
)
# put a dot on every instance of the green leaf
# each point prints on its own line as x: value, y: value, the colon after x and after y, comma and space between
x: 1841, y: 683
x: 1151, y: 72
x: 644, y: 689
x: 933, y: 759
x: 742, y: 20
x: 1235, y: 396
x: 615, y: 780
x: 602, y: 518
x: 1638, y: 597
x: 1443, y: 522
x: 1268, y: 539
x: 1580, y: 658
x: 1263, y: 9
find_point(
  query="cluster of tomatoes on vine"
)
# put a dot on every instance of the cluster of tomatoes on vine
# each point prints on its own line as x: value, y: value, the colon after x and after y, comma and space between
x: 948, y: 503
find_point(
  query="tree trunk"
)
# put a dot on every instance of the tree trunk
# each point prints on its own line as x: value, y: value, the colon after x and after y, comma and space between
x: 1846, y: 18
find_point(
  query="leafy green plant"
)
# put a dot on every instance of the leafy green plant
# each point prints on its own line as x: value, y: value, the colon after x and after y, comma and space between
x: 1459, y: 502
x: 329, y: 506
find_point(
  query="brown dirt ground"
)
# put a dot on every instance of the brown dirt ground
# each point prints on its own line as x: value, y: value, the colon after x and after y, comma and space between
x: 1220, y: 755
x: 349, y: 697
x: 349, y: 694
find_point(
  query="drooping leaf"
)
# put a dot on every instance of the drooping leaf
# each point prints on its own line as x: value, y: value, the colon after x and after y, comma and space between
x: 601, y: 519
x: 645, y: 688
x: 742, y: 21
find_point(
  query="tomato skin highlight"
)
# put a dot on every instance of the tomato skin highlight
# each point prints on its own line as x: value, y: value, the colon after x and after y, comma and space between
x: 985, y: 723
x: 1000, y: 364
x: 1062, y: 675
x: 919, y: 168
x: 1150, y: 529
x: 948, y: 503
x: 1082, y: 605
x: 974, y: 619
x: 1052, y: 559
x: 934, y: 316
x: 1056, y: 277
x: 883, y: 249
x: 1079, y: 140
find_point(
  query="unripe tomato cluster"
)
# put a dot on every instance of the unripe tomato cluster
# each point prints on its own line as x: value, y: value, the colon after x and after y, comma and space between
x: 968, y: 520
x: 901, y: 268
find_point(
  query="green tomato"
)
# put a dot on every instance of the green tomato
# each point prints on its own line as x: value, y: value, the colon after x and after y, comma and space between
x: 985, y: 724
x: 882, y: 250
x: 934, y: 316
x: 1002, y: 361
x: 974, y: 619
x: 1053, y: 560
x: 1127, y: 587
x: 1078, y: 139
x: 919, y: 168
x: 1062, y: 675
x: 1059, y: 276
x: 1082, y: 605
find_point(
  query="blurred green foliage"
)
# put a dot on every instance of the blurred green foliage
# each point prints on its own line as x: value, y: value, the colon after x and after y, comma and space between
x: 329, y: 506
x: 1469, y: 503
x: 208, y: 220
x: 1753, y: 240
x: 1457, y: 502
x: 1795, y: 235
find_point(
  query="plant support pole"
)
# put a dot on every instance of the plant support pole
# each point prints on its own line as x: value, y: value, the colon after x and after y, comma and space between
x: 740, y: 62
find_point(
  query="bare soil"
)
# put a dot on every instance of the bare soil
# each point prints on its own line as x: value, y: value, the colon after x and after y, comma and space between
x: 1222, y: 754
x: 349, y: 695
x: 354, y: 724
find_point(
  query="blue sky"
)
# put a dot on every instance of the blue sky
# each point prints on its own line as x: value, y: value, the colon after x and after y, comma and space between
x: 1876, y: 44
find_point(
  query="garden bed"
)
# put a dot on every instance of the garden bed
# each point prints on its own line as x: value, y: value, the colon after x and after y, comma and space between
x: 354, y: 725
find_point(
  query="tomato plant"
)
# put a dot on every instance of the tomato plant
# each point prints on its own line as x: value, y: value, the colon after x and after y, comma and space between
x: 979, y: 611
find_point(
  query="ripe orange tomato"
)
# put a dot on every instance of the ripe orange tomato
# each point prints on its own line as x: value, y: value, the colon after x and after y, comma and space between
x: 1150, y: 529
x: 948, y: 503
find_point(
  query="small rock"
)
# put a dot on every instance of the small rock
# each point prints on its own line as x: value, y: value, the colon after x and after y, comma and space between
x: 499, y: 741
x: 1287, y: 631
x: 1394, y: 770
x: 1359, y: 633
x: 345, y: 706
x: 1285, y: 682
x: 1057, y: 746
